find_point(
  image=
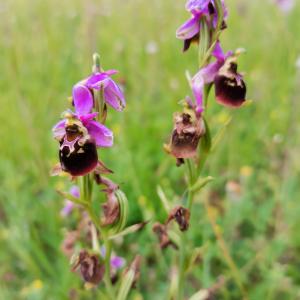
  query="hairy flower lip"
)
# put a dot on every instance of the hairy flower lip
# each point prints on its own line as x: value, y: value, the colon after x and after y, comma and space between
x: 229, y: 92
x: 230, y: 88
x: 78, y: 160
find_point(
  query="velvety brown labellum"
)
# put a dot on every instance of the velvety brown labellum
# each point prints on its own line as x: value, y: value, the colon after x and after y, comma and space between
x: 229, y: 92
x: 230, y: 88
x: 78, y: 156
x: 186, y: 136
x: 182, y: 217
x: 81, y: 161
x: 90, y: 268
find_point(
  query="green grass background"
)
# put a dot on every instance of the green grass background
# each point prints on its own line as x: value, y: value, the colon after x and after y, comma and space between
x: 46, y: 47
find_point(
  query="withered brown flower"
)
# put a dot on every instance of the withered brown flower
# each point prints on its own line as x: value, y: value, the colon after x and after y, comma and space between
x: 90, y: 267
x: 186, y: 135
x: 161, y: 231
x: 182, y: 217
x: 111, y: 209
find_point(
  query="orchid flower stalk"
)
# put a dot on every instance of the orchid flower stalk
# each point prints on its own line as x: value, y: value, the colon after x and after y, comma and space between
x: 80, y: 134
x: 190, y: 141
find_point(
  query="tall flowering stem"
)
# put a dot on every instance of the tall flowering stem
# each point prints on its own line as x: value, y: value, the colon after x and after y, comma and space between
x: 80, y: 134
x: 191, y: 141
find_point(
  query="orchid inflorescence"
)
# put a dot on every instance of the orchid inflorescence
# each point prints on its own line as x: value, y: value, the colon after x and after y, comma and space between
x: 80, y: 134
x: 191, y: 141
x: 82, y: 131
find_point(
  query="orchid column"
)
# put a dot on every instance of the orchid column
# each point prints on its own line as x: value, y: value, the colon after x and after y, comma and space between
x: 190, y: 141
x: 80, y: 134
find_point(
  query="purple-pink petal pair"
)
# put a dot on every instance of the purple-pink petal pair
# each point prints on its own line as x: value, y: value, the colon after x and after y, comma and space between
x: 83, y: 101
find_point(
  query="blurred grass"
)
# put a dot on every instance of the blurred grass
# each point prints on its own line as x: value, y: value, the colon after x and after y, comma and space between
x: 46, y: 46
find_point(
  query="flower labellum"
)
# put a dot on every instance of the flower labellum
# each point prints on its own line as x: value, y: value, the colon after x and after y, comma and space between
x: 77, y: 154
x: 230, y: 87
x: 186, y: 135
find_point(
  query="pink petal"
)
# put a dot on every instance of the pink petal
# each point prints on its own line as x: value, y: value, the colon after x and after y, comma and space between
x: 111, y: 72
x: 197, y: 87
x: 98, y: 80
x: 83, y: 99
x: 101, y: 134
x: 114, y: 96
x: 189, y: 29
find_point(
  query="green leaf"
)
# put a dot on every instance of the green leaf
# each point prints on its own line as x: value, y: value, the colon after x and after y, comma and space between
x: 72, y: 198
x: 201, y: 295
x: 218, y: 137
x: 129, y: 230
x: 201, y: 183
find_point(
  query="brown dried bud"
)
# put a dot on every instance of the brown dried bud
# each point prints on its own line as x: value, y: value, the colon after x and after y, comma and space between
x: 186, y: 135
x: 111, y: 209
x: 182, y: 216
x: 91, y: 270
x: 161, y: 231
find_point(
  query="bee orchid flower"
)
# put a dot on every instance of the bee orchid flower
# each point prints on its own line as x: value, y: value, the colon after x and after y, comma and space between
x: 79, y: 135
x: 230, y: 88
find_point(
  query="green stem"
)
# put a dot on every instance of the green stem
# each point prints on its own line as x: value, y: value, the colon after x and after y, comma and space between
x: 107, y: 279
x: 181, y: 276
x: 183, y: 240
x: 86, y: 190
x: 86, y: 194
